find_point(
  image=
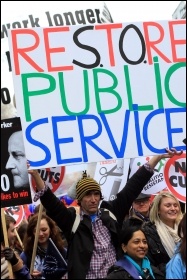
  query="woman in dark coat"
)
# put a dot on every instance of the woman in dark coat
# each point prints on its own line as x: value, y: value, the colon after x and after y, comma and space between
x: 134, y: 264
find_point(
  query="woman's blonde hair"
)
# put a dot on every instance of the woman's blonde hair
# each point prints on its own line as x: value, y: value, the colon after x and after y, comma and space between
x: 154, y: 216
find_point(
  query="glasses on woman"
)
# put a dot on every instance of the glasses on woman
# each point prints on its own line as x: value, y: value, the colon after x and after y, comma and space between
x: 138, y: 202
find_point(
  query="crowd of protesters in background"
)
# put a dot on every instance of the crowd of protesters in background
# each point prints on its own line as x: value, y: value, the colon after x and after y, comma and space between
x: 97, y: 234
x: 92, y: 235
x: 9, y: 256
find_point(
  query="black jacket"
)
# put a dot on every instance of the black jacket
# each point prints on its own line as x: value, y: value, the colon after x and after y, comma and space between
x: 117, y: 272
x: 157, y: 254
x: 81, y: 244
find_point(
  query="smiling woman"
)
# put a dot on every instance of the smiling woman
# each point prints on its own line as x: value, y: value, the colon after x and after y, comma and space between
x: 48, y: 229
x: 161, y: 232
x: 134, y: 263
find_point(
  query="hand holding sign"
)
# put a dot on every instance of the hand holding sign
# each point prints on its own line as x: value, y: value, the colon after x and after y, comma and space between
x: 170, y: 153
x: 35, y: 174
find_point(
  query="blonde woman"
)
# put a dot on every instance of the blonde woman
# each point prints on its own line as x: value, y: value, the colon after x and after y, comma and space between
x: 161, y: 231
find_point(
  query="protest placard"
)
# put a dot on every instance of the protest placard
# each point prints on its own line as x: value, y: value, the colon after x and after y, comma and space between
x: 112, y: 176
x: 96, y: 92
x: 15, y: 184
x: 28, y: 15
x: 175, y: 176
x: 17, y: 212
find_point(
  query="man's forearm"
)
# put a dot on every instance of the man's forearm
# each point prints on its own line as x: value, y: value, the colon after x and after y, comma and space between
x: 38, y: 180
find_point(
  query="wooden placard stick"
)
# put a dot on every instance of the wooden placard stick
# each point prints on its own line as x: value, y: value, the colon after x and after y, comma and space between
x: 18, y: 237
x: 6, y: 243
x: 36, y: 238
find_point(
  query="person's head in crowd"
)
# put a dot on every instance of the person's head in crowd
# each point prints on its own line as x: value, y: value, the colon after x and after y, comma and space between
x: 22, y: 229
x: 182, y: 235
x: 166, y: 207
x: 18, y: 269
x: 133, y: 242
x: 134, y: 262
x: 162, y: 230
x: 48, y: 228
x: 131, y: 222
x: 17, y: 161
x: 141, y: 205
x: 36, y: 210
x: 88, y: 194
x: 10, y: 226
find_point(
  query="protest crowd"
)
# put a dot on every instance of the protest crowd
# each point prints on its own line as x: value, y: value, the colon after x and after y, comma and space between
x: 104, y: 238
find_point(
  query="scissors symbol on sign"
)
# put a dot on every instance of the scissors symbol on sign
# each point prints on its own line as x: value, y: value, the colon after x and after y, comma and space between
x: 103, y: 171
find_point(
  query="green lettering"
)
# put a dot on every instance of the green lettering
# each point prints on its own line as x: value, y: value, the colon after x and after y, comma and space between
x: 158, y: 83
x: 107, y: 90
x: 63, y: 95
x: 169, y: 73
x: 129, y: 94
x: 27, y: 93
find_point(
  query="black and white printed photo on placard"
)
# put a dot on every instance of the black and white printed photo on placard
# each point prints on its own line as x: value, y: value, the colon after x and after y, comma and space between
x: 15, y: 184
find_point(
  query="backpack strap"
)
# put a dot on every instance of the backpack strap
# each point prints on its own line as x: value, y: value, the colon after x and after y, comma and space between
x: 129, y: 267
x: 76, y: 223
x: 110, y: 214
x: 78, y: 218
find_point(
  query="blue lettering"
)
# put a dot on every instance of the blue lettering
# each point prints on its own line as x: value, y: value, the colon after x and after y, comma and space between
x: 145, y: 130
x: 119, y: 153
x: 88, y: 139
x: 37, y: 143
x: 59, y: 141
x: 173, y: 130
x: 101, y: 123
x: 137, y: 128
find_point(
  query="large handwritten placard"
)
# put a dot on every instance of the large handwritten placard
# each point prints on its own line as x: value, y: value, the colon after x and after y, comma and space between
x: 96, y: 92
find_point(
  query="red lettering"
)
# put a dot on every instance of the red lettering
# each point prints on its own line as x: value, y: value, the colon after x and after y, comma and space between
x: 108, y: 28
x: 152, y: 44
x: 50, y: 50
x: 23, y: 51
x: 175, y: 42
x: 5, y: 196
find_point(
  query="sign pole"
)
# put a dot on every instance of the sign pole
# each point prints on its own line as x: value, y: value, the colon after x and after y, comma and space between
x: 6, y: 240
x: 36, y: 238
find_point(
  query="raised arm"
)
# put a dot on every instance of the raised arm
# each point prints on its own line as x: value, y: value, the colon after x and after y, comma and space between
x: 56, y: 209
x: 170, y: 153
x: 121, y: 205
